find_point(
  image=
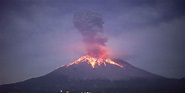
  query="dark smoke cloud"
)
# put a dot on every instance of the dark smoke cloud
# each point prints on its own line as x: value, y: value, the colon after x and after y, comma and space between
x: 90, y: 24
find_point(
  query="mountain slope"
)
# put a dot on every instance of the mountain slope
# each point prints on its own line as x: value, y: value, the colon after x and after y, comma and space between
x: 84, y: 71
x: 101, y: 79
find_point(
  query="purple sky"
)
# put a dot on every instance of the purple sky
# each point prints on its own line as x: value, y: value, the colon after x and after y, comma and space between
x: 38, y: 36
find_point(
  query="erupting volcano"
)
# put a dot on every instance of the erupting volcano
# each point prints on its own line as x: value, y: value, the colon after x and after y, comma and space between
x: 90, y: 24
x: 94, y: 61
x: 95, y: 71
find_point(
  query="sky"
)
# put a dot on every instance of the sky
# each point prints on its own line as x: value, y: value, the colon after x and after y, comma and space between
x: 38, y: 36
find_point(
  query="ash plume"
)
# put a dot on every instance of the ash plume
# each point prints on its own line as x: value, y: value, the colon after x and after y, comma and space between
x: 90, y: 25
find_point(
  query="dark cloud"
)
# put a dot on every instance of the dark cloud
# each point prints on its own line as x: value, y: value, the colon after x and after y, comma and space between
x: 90, y: 24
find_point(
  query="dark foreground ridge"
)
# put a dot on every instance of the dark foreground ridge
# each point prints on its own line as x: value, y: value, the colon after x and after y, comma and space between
x: 103, y: 79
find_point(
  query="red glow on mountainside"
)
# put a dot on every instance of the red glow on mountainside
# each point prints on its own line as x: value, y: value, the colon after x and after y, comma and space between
x: 94, y: 61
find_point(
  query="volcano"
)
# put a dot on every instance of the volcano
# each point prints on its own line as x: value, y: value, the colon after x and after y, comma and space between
x: 89, y: 68
x: 104, y: 78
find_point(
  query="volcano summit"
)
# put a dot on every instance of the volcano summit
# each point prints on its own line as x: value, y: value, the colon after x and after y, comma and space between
x: 115, y: 70
x: 94, y: 61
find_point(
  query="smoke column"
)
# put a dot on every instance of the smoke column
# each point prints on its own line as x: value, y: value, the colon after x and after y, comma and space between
x: 90, y: 25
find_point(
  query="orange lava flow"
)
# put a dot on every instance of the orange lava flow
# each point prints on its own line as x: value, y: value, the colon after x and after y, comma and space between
x: 94, y: 61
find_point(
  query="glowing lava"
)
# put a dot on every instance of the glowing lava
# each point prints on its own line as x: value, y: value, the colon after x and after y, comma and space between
x: 94, y: 61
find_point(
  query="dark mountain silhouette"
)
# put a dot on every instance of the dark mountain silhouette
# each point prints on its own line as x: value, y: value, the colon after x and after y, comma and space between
x: 84, y: 71
x: 102, y: 79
